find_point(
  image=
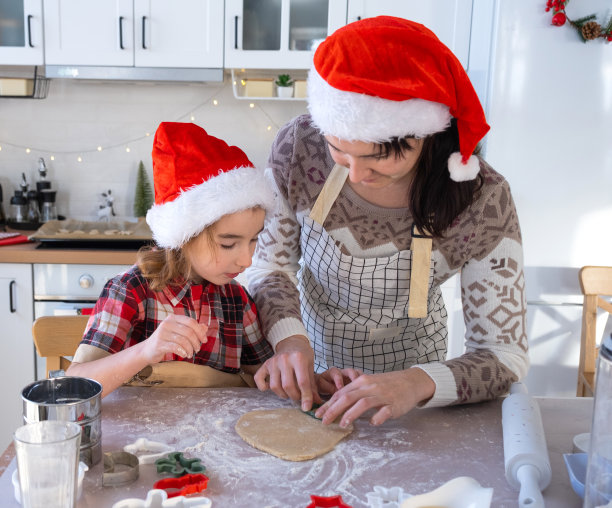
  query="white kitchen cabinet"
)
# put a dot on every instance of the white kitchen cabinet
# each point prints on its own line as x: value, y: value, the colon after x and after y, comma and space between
x: 278, y: 34
x: 21, y: 32
x: 16, y: 345
x: 450, y: 20
x: 141, y: 33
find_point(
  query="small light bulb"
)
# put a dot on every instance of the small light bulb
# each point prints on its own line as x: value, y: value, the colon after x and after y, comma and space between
x: 147, y: 134
x: 127, y: 148
x: 243, y: 82
x: 192, y: 118
x: 234, y: 82
x: 79, y: 159
x: 269, y: 127
x: 251, y: 105
x: 215, y: 102
x: 99, y: 149
x: 0, y: 148
x: 52, y: 157
x: 28, y: 150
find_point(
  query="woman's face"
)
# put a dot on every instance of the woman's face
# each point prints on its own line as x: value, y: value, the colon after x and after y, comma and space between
x: 368, y: 169
x: 234, y: 239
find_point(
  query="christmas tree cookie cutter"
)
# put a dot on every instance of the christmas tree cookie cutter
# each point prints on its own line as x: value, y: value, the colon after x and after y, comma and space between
x: 142, y: 445
x: 177, y: 465
x: 158, y: 498
x: 383, y: 497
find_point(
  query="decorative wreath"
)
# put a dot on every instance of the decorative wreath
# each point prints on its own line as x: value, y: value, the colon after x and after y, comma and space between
x: 587, y: 27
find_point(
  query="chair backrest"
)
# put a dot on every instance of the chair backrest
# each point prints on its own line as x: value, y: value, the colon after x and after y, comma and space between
x: 56, y: 337
x: 595, y: 282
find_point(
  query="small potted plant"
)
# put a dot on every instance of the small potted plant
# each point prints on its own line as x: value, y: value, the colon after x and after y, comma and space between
x: 284, y: 86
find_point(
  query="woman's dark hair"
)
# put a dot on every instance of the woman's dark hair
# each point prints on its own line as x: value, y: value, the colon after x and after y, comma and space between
x: 435, y: 199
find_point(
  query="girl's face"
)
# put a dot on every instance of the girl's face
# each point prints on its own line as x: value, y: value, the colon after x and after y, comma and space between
x: 234, y: 237
x: 368, y: 169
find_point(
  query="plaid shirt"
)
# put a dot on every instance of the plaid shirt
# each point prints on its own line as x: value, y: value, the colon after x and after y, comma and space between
x: 129, y: 311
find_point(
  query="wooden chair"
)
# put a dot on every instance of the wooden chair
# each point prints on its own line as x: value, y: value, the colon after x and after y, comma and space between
x: 595, y: 282
x: 56, y: 337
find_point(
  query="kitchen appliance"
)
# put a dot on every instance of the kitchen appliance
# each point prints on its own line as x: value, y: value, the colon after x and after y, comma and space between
x: 67, y: 289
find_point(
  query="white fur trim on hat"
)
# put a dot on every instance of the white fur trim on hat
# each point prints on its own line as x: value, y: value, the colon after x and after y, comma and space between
x: 176, y: 222
x: 460, y: 172
x: 355, y: 116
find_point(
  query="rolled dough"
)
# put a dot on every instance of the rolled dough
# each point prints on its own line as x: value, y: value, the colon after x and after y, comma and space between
x: 289, y: 434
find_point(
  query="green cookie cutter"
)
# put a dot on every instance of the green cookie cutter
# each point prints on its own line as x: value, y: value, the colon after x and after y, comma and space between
x: 177, y: 465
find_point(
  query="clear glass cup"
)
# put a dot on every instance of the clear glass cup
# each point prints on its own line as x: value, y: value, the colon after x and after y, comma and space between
x: 598, y: 485
x: 48, y: 463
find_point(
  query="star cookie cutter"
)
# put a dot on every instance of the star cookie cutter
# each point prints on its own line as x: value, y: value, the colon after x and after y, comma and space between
x: 110, y: 477
x: 183, y: 486
x: 382, y: 497
x: 177, y: 465
x: 146, y: 445
x: 327, y: 502
x: 157, y: 498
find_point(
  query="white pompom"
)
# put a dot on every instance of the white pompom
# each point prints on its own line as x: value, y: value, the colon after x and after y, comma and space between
x: 460, y: 172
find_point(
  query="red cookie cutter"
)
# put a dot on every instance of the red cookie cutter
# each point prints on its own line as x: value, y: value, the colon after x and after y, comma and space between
x: 183, y: 486
x: 327, y: 502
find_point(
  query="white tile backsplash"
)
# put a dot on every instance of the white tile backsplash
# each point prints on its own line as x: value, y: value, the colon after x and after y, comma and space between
x: 78, y: 116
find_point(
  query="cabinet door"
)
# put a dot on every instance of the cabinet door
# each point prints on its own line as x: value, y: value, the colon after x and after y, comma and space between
x: 278, y: 34
x: 450, y: 20
x: 181, y: 33
x: 21, y: 32
x: 16, y: 345
x: 89, y: 32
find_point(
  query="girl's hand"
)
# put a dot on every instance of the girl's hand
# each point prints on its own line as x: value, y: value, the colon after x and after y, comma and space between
x: 290, y: 372
x: 391, y: 393
x: 179, y: 335
x: 334, y: 379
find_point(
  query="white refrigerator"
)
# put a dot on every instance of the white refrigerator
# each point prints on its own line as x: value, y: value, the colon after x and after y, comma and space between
x: 548, y: 99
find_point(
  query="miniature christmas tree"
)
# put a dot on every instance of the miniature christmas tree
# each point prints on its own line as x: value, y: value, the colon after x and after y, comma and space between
x: 143, y: 198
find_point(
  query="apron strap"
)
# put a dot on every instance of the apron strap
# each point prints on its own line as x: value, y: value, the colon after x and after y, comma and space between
x: 331, y: 188
x: 419, y: 274
x: 421, y: 243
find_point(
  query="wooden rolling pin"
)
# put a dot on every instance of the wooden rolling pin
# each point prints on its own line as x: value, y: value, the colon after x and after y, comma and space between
x: 525, y: 452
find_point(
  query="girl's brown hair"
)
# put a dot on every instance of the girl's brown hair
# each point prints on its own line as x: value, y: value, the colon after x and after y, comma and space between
x: 435, y: 199
x: 166, y: 267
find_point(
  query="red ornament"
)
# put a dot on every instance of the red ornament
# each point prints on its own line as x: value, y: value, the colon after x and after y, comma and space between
x: 559, y: 19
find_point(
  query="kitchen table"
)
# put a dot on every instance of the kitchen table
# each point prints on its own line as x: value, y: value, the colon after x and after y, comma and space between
x: 418, y: 452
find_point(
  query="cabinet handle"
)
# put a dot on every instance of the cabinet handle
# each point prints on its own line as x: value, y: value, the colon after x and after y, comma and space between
x: 121, y: 32
x: 12, y: 307
x: 30, y: 30
x: 144, y: 20
x: 235, y: 32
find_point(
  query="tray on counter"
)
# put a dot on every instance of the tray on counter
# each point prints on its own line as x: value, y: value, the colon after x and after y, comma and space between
x: 71, y: 231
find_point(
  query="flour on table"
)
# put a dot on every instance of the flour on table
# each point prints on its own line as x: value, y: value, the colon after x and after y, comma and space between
x: 289, y: 434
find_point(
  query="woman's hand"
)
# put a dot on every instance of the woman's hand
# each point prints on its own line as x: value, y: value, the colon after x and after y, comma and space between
x: 392, y: 393
x: 290, y: 372
x: 334, y: 379
x: 179, y: 335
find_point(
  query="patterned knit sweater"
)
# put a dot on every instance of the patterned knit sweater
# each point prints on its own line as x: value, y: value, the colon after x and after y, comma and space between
x: 483, y: 243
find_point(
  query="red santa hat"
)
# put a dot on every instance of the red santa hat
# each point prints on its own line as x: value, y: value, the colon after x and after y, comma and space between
x: 386, y: 77
x: 198, y: 179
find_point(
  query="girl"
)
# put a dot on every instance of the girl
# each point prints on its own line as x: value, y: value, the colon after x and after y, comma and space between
x: 179, y: 303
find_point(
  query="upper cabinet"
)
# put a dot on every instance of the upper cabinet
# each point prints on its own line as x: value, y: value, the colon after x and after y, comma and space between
x: 21, y: 32
x: 141, y: 33
x: 278, y: 34
x: 450, y: 20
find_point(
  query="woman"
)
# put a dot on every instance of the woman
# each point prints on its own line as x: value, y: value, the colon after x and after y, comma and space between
x: 382, y: 200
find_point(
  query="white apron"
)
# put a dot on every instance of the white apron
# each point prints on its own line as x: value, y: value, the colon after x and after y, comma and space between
x: 356, y: 310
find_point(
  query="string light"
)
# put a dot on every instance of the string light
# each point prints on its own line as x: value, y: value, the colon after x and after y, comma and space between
x: 99, y: 148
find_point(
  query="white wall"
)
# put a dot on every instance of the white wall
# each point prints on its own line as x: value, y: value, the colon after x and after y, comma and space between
x: 79, y: 116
